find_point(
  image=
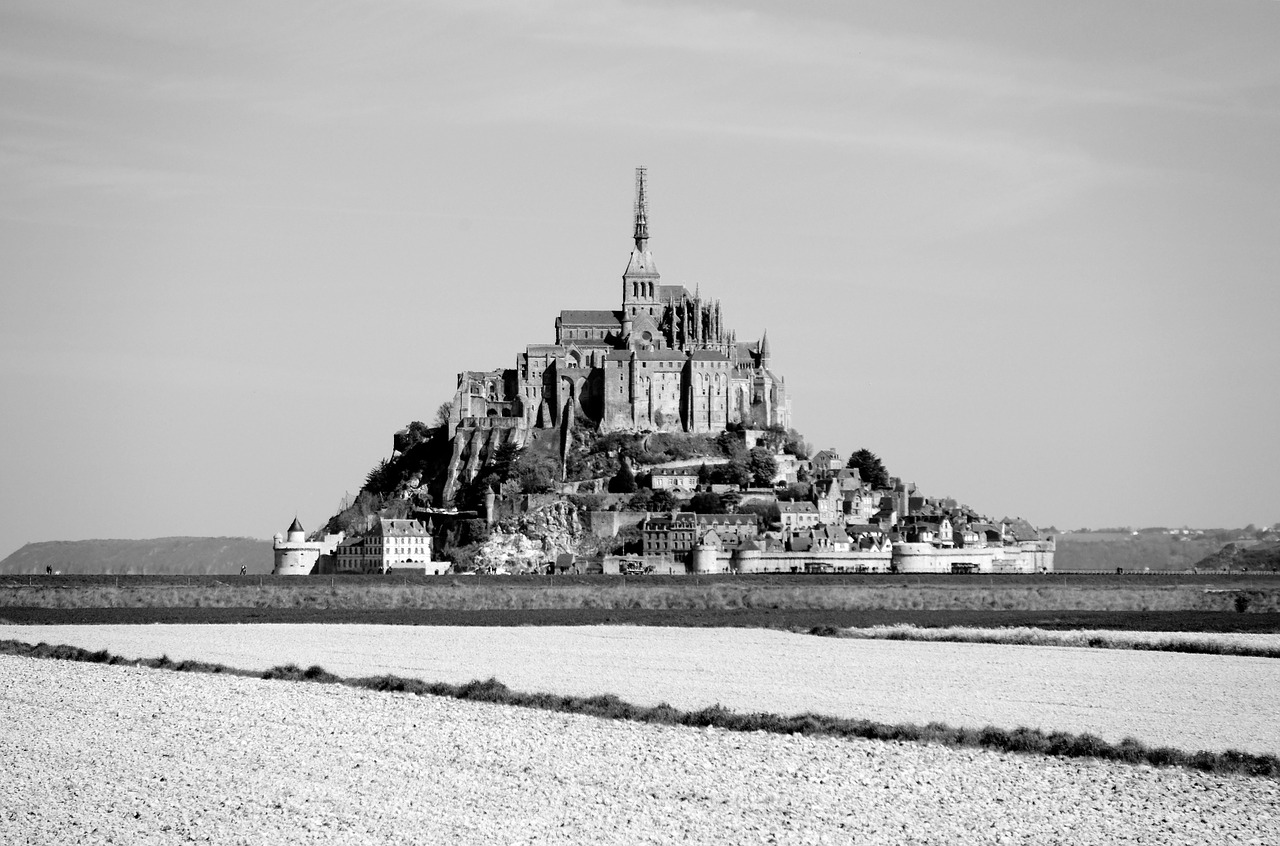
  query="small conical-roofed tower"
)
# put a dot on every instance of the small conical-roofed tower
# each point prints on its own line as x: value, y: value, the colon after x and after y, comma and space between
x: 640, y: 281
x: 764, y: 350
x: 296, y: 533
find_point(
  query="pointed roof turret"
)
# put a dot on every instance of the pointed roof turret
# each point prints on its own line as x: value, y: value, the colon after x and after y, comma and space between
x: 640, y: 280
x: 295, y: 526
x: 642, y: 213
x: 764, y: 349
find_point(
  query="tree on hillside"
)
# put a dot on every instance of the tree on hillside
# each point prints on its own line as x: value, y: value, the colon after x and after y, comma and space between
x: 354, y: 518
x: 730, y: 444
x: 706, y: 503
x: 768, y: 512
x: 382, y: 479
x: 796, y: 445
x: 734, y: 473
x: 870, y: 468
x: 662, y: 501
x: 534, y: 472
x: 799, y: 492
x: 704, y: 475
x: 443, y: 413
x: 762, y: 466
x: 504, y: 459
x: 624, y: 481
x: 640, y: 500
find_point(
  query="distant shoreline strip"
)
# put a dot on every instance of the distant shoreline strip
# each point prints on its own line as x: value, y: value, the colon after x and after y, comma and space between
x: 1026, y: 636
x: 1020, y: 740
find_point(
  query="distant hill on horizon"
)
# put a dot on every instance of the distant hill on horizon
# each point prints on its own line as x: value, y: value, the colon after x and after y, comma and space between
x: 1263, y: 556
x: 154, y: 556
x: 1105, y: 552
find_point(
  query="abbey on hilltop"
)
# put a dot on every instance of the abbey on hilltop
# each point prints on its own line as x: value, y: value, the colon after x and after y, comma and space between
x: 665, y: 361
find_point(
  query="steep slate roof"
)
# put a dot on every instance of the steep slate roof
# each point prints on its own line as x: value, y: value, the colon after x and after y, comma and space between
x: 708, y: 355
x: 659, y: 355
x: 797, y: 508
x: 1021, y: 529
x: 641, y: 264
x: 409, y: 528
x: 295, y: 526
x: 591, y: 318
x: 676, y: 292
x: 727, y: 519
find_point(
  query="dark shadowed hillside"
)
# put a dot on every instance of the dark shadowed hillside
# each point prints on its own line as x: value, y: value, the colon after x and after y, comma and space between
x: 181, y: 556
x: 1264, y: 557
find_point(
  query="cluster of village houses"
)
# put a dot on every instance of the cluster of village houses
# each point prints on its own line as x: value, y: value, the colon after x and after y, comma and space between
x: 845, y: 526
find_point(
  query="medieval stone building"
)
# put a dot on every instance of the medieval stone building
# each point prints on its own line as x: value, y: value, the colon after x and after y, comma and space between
x: 666, y: 361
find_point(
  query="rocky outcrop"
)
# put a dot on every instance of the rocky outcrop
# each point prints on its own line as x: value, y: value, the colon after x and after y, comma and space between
x: 534, y: 541
x: 556, y: 525
x: 510, y: 553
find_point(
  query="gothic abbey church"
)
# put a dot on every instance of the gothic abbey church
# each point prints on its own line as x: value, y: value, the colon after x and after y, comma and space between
x: 664, y: 362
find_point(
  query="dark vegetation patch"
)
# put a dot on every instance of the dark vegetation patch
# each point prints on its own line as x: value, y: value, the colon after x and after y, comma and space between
x: 760, y: 618
x: 1020, y: 740
x: 1012, y: 636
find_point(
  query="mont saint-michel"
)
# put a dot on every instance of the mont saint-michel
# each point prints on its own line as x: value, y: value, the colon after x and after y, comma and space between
x: 649, y: 437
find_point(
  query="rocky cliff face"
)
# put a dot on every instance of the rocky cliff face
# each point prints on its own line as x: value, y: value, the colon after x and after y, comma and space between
x: 538, y: 537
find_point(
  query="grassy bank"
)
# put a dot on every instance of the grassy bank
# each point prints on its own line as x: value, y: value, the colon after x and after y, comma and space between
x: 474, y: 594
x: 1018, y: 740
x: 1199, y: 644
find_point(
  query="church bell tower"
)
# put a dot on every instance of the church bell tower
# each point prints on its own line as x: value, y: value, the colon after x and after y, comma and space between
x: 640, y: 281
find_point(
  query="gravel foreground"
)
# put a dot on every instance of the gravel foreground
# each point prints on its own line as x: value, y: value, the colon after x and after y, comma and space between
x: 99, y: 754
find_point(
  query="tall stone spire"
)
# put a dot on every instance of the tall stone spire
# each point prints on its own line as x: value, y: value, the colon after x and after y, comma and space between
x: 640, y: 281
x: 642, y: 213
x: 764, y: 350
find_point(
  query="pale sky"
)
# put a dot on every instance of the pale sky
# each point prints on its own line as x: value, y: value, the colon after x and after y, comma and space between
x: 1027, y: 252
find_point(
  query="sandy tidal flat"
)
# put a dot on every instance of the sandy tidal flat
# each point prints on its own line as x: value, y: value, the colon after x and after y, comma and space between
x: 98, y: 754
x: 1191, y: 702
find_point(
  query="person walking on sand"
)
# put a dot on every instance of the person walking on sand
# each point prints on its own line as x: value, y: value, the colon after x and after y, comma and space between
x: 242, y: 570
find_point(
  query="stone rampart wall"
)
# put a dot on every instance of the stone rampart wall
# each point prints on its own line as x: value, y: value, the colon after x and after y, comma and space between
x: 924, y: 558
x: 800, y: 562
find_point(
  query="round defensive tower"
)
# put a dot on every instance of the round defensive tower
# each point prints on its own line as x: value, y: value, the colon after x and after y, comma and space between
x: 293, y: 555
x: 747, y: 558
x: 703, y: 559
x: 919, y: 558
